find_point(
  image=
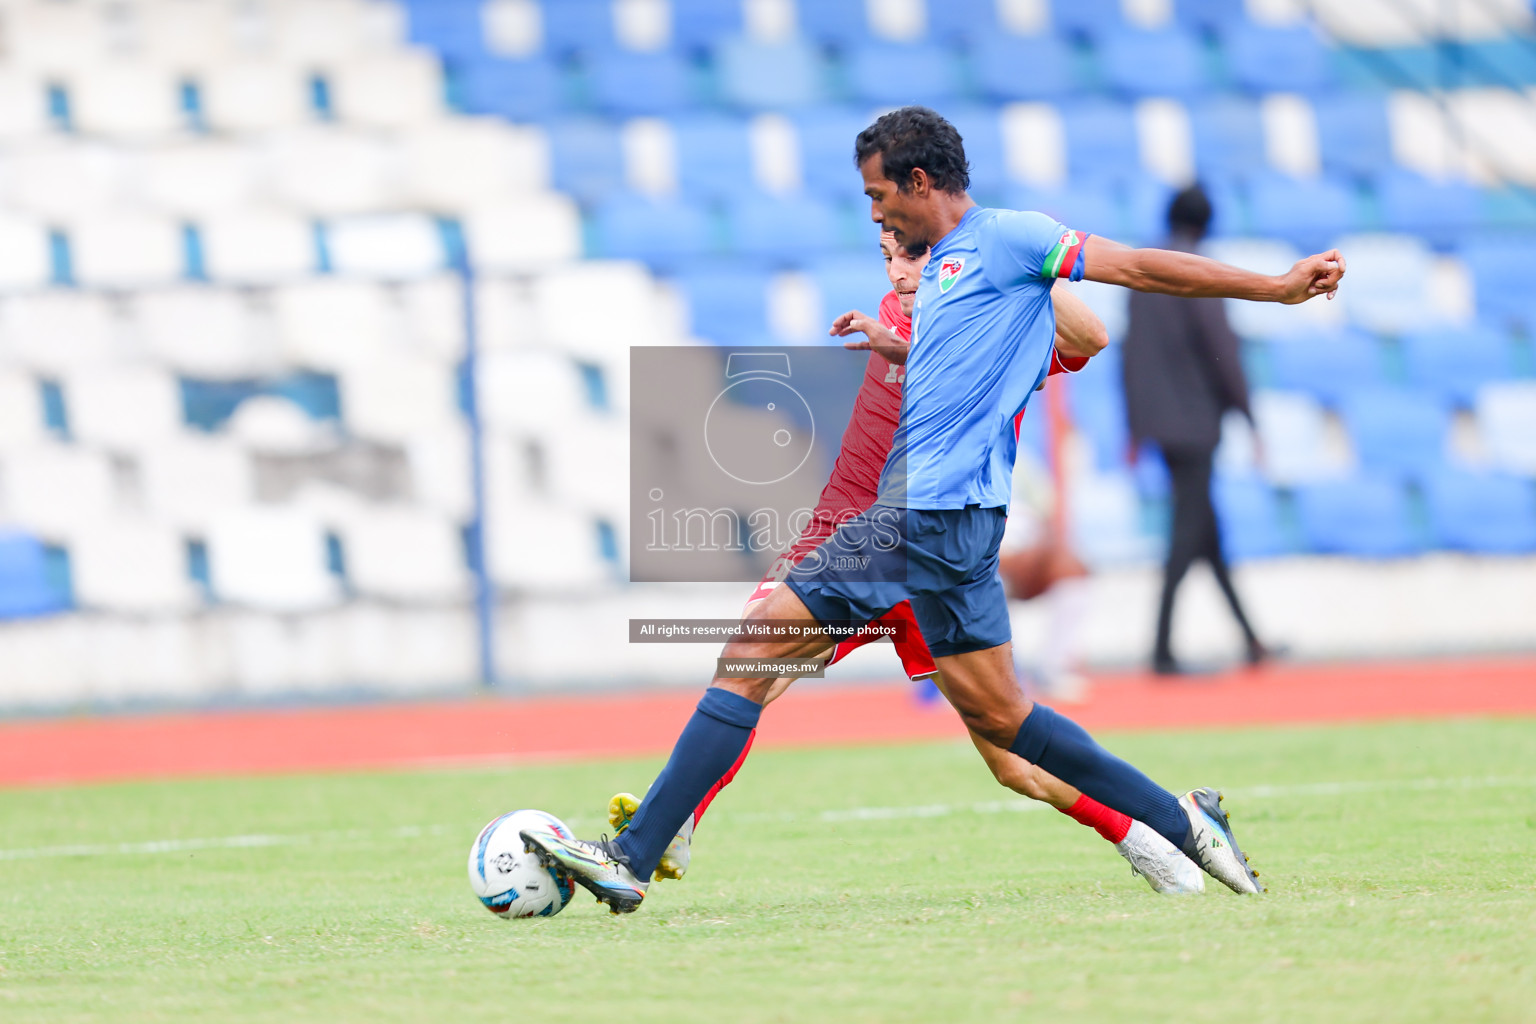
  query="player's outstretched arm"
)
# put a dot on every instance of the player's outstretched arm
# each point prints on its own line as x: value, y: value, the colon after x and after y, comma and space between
x: 877, y: 336
x: 1191, y: 276
x: 1079, y: 331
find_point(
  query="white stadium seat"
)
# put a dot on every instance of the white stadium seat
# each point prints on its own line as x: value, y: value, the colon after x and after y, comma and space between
x: 388, y: 245
x: 1500, y: 126
x: 504, y: 314
x: 124, y: 100
x: 1265, y: 319
x: 1424, y: 137
x: 531, y: 233
x: 201, y: 331
x: 254, y: 246
x: 434, y: 317
x: 1106, y: 520
x: 439, y: 462
x: 273, y: 425
x: 405, y: 554
x: 189, y: 35
x: 650, y: 156
x: 1389, y: 283
x: 394, y: 396
x: 397, y: 90
x: 512, y: 28
x: 194, y: 178
x: 588, y: 465
x: 1506, y: 417
x: 55, y: 331
x: 64, y: 181
x: 607, y: 292
x: 1299, y: 446
x: 1034, y: 143
x: 55, y: 37
x: 122, y: 407
x: 127, y: 565
x: 126, y: 250
x: 529, y: 390
x: 544, y: 547
x: 255, y: 96
x: 321, y: 30
x: 1410, y: 22
x: 333, y: 324
x: 24, y: 257
x: 21, y: 409
x: 776, y: 161
x: 1165, y: 141
x: 327, y: 171
x: 270, y: 558
x: 23, y: 105
x: 191, y: 479
x: 1290, y: 134
x: 453, y: 165
x: 57, y: 489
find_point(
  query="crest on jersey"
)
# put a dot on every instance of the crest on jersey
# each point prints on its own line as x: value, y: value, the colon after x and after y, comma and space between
x: 949, y: 272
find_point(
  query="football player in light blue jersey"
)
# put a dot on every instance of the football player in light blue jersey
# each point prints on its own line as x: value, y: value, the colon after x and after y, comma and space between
x: 982, y: 337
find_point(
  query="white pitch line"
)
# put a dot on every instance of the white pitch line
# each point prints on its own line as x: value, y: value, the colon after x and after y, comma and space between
x: 851, y: 814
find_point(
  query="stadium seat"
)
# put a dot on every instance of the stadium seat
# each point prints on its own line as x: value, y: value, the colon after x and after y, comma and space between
x: 395, y: 395
x: 21, y: 408
x: 714, y: 156
x: 27, y: 587
x: 1034, y: 143
x: 781, y: 229
x: 23, y: 105
x: 1087, y: 207
x: 1106, y: 521
x: 255, y: 245
x: 190, y: 479
x: 25, y: 262
x: 65, y: 181
x: 568, y: 556
x: 1500, y: 122
x: 256, y: 96
x: 331, y: 172
x: 1481, y: 513
x: 531, y: 232
x: 847, y: 282
x: 1008, y: 67
x: 453, y: 28
x: 578, y: 26
x: 530, y: 390
x: 398, y: 89
x: 274, y: 424
x: 1331, y: 365
x: 391, y: 246
x: 518, y: 89
x: 330, y: 324
x: 1213, y: 17
x: 587, y: 158
x: 126, y: 100
x: 1265, y: 59
x: 1156, y: 62
x: 893, y: 74
x: 1101, y: 138
x: 127, y: 250
x: 1437, y: 211
x: 321, y: 32
x: 587, y: 465
x: 1250, y: 518
x: 1388, y: 282
x: 626, y: 84
x: 1506, y: 418
x: 271, y: 558
x: 436, y: 463
x: 1085, y: 19
x: 122, y: 407
x: 1308, y: 213
x: 699, y: 24
x: 1500, y: 269
x: 1263, y: 256
x: 826, y: 149
x: 836, y: 23
x: 1396, y: 431
x: 726, y: 303
x: 1364, y: 517
x: 1290, y: 134
x: 433, y: 316
x: 459, y: 163
x: 405, y: 554
x: 193, y: 179
x: 1353, y: 135
x: 982, y: 130
x: 130, y: 565
x: 756, y: 75
x: 1455, y: 362
x: 1228, y: 135
x: 57, y: 331
x: 56, y: 489
x: 662, y: 232
x: 1295, y: 433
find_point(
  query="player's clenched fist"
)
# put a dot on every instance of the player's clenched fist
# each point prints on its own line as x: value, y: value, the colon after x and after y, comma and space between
x: 1315, y: 275
x: 878, y: 337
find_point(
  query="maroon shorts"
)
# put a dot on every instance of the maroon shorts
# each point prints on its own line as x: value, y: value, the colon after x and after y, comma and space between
x: 908, y: 639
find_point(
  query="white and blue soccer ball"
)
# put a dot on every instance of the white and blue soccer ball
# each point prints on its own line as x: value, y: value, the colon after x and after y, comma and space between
x: 508, y: 880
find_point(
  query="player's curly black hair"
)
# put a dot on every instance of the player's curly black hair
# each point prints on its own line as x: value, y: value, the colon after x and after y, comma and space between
x: 913, y: 137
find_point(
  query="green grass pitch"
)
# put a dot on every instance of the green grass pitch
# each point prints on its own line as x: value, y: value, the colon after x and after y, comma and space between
x: 874, y: 884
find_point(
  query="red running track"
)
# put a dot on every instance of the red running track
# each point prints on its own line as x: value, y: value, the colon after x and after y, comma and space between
x: 494, y: 729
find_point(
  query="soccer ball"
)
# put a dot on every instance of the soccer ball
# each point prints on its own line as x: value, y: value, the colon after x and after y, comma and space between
x: 508, y: 880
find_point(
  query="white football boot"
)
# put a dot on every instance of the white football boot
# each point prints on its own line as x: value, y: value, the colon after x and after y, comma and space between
x: 674, y: 862
x: 1154, y: 858
x: 1212, y: 845
x: 595, y: 865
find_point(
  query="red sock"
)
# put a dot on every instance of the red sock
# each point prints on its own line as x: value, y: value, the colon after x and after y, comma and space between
x: 725, y: 780
x: 1110, y: 824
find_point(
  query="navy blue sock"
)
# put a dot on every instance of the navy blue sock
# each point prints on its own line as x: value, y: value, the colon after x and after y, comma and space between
x: 1064, y: 748
x: 710, y: 743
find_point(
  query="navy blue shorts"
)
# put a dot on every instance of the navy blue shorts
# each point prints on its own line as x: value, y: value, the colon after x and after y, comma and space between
x: 942, y: 560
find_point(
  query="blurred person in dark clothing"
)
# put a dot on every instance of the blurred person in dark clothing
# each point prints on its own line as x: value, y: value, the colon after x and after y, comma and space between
x: 1183, y: 370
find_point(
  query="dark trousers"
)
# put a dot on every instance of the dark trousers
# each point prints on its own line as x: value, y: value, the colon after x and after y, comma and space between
x: 1195, y: 535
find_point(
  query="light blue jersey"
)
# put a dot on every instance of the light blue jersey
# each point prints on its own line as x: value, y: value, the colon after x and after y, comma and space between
x: 982, y: 332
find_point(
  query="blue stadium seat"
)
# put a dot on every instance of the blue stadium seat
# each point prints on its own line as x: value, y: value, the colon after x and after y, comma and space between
x: 1209, y: 16
x: 1481, y: 512
x: 839, y: 23
x: 714, y: 156
x: 848, y: 282
x: 782, y: 230
x: 770, y: 76
x: 963, y: 22
x: 1009, y: 67
x: 1327, y: 365
x: 451, y: 27
x: 1165, y: 62
x: 699, y: 24
x: 728, y: 303
x: 661, y: 232
x: 587, y: 158
x: 1146, y: 212
x: 578, y: 26
x: 1086, y: 19
x: 1310, y: 214
x: 826, y: 150
x: 1101, y: 139
x: 897, y: 74
x: 1440, y: 211
x: 1455, y: 361
x: 1228, y: 135
x: 982, y: 132
x: 1251, y: 522
x: 628, y: 84
x: 1262, y: 59
x: 1087, y: 207
x: 1396, y: 430
x: 27, y: 585
x: 1352, y: 133
x: 1501, y: 270
x: 1365, y: 516
x: 1096, y: 400
x: 521, y: 90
